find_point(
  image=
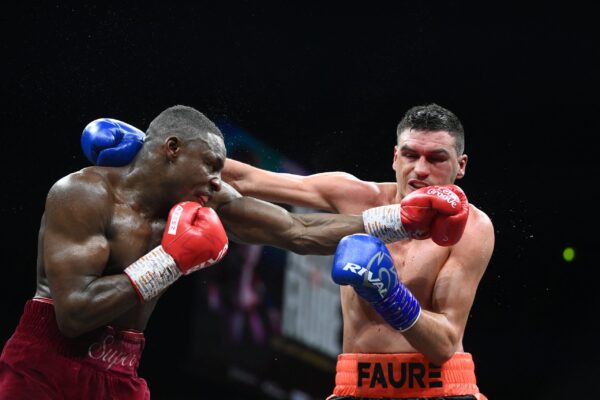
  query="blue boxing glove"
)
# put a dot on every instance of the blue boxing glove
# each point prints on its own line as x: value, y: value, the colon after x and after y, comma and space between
x: 364, y: 262
x: 110, y: 142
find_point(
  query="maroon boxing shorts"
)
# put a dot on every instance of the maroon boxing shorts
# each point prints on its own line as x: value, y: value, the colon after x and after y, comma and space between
x: 39, y: 362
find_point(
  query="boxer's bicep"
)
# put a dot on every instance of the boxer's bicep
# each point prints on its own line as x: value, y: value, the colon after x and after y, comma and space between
x: 75, y: 248
x: 72, y: 263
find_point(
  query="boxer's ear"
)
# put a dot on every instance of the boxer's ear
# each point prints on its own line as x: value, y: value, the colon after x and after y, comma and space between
x: 395, y: 158
x: 173, y: 145
x: 462, y: 166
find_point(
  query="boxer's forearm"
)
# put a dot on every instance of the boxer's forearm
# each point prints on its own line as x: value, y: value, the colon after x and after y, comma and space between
x: 434, y: 336
x: 320, y: 233
x: 253, y: 221
x: 102, y: 301
x: 301, y: 233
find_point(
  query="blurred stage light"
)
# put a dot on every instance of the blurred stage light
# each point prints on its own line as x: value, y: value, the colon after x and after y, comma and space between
x: 568, y: 254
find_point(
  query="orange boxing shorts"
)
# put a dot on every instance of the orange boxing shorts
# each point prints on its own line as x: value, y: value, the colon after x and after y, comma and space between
x: 404, y: 376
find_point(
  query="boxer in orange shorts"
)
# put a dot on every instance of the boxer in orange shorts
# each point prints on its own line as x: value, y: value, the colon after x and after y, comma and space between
x: 394, y: 352
x: 364, y: 263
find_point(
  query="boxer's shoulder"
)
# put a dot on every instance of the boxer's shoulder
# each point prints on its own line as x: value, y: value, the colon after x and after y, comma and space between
x: 479, y: 220
x: 478, y: 237
x: 86, y: 187
x: 87, y: 179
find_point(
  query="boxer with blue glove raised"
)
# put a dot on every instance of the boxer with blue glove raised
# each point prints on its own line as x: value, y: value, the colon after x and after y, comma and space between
x: 442, y: 269
x: 110, y: 142
x: 364, y: 263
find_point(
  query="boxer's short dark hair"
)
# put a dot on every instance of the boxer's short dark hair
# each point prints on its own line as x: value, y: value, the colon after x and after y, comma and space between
x: 184, y: 120
x: 432, y: 117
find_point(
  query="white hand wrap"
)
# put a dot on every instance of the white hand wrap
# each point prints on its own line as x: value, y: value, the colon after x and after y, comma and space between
x: 152, y: 273
x: 384, y: 223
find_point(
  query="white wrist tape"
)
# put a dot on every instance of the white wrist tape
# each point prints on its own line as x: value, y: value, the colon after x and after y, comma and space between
x: 152, y: 273
x: 384, y: 223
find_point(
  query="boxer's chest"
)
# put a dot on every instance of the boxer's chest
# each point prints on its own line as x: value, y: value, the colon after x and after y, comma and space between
x: 418, y: 263
x: 131, y: 236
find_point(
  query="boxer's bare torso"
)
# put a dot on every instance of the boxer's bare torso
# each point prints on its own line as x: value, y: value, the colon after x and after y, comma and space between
x: 443, y: 279
x: 418, y: 263
x: 123, y: 235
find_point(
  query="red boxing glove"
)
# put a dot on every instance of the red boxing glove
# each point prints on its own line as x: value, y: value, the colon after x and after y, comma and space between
x: 194, y: 238
x: 439, y: 212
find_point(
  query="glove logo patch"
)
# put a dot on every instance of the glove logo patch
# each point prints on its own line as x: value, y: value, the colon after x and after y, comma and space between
x: 175, y: 220
x: 383, y: 281
x: 445, y: 194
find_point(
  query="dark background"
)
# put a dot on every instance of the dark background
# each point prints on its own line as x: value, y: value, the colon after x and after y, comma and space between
x: 326, y: 87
